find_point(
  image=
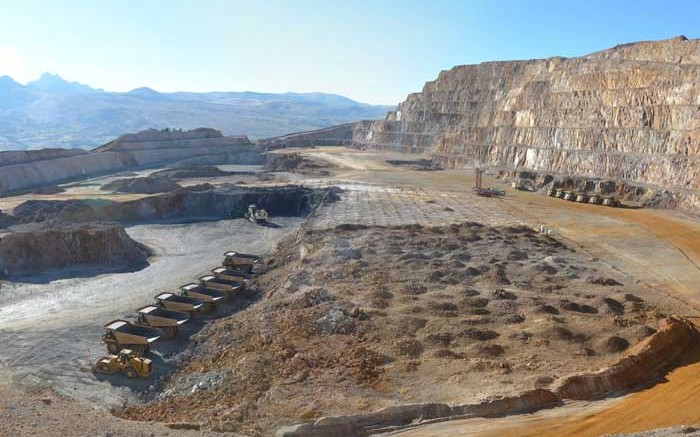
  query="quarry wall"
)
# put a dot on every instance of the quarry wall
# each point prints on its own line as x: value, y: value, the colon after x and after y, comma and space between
x: 25, y: 170
x: 630, y: 113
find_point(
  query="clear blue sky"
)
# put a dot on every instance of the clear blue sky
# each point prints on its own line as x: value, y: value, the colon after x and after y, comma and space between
x: 373, y: 51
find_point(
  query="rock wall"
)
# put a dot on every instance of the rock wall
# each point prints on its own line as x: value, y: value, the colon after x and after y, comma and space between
x: 643, y: 364
x: 25, y: 170
x: 57, y: 246
x: 199, y: 202
x: 340, y: 135
x: 50, y: 171
x: 629, y: 113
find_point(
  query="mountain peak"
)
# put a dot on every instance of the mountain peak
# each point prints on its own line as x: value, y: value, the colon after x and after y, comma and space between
x: 53, y: 83
x: 8, y: 81
x: 145, y: 92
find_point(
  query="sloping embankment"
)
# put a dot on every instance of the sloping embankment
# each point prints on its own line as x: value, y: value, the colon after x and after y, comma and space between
x: 340, y: 135
x: 643, y: 364
x: 56, y: 246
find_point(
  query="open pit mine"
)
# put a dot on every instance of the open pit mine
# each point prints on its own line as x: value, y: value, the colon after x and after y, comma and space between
x: 513, y: 251
x: 628, y: 115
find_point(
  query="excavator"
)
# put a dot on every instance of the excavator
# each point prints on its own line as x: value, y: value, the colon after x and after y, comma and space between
x: 255, y: 214
x: 126, y: 362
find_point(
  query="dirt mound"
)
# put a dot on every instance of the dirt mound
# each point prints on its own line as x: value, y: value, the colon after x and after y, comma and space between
x: 416, y: 164
x: 145, y: 185
x: 642, y: 364
x: 197, y: 171
x: 38, y: 249
x: 290, y: 162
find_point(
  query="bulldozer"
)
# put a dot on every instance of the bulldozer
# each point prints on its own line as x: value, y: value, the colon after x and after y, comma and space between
x: 126, y: 362
x: 255, y: 214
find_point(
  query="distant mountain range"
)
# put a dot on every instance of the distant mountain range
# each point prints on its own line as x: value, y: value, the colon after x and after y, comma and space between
x: 53, y: 112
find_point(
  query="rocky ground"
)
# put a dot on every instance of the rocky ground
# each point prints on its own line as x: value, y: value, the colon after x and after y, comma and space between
x: 42, y: 413
x: 356, y: 318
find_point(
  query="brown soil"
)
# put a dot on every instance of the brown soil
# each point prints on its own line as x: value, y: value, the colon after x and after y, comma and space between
x: 357, y: 318
x: 667, y: 404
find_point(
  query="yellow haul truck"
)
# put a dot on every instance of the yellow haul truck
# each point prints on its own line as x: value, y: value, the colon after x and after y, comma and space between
x: 211, y: 282
x: 210, y: 297
x: 168, y: 321
x: 240, y: 261
x: 174, y: 302
x: 120, y: 334
x: 232, y: 275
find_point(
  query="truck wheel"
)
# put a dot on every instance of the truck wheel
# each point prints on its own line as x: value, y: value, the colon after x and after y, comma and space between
x: 113, y: 348
x: 130, y: 373
x: 207, y: 307
x: 139, y: 350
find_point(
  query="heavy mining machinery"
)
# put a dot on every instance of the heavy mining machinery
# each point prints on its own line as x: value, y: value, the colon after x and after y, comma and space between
x: 255, y: 214
x: 126, y: 362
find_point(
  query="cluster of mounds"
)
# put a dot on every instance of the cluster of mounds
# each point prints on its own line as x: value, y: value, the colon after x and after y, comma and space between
x: 356, y: 318
x: 144, y: 185
x: 38, y: 248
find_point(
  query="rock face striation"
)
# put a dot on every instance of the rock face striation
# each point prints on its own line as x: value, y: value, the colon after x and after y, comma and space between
x: 25, y: 170
x: 630, y: 113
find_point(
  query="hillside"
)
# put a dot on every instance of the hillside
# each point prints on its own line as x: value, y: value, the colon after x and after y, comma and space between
x: 52, y: 112
x: 627, y: 114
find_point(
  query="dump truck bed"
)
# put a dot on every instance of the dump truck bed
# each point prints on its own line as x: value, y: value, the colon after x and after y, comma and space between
x: 231, y: 275
x: 233, y: 253
x: 203, y: 294
x: 226, y: 286
x: 176, y: 302
x: 159, y: 317
x: 129, y: 333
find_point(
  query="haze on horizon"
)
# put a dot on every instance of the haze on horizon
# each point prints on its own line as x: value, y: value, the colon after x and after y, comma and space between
x: 372, y: 51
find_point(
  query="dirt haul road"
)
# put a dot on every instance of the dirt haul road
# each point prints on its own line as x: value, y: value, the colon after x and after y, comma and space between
x: 50, y: 332
x: 661, y: 249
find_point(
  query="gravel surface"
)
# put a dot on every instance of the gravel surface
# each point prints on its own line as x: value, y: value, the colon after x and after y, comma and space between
x: 51, y: 332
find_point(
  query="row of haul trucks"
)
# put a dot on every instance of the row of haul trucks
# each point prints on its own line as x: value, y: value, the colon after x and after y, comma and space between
x: 594, y: 199
x: 129, y: 342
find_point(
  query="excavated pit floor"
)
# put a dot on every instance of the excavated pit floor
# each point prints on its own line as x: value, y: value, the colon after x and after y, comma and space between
x: 51, y: 332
